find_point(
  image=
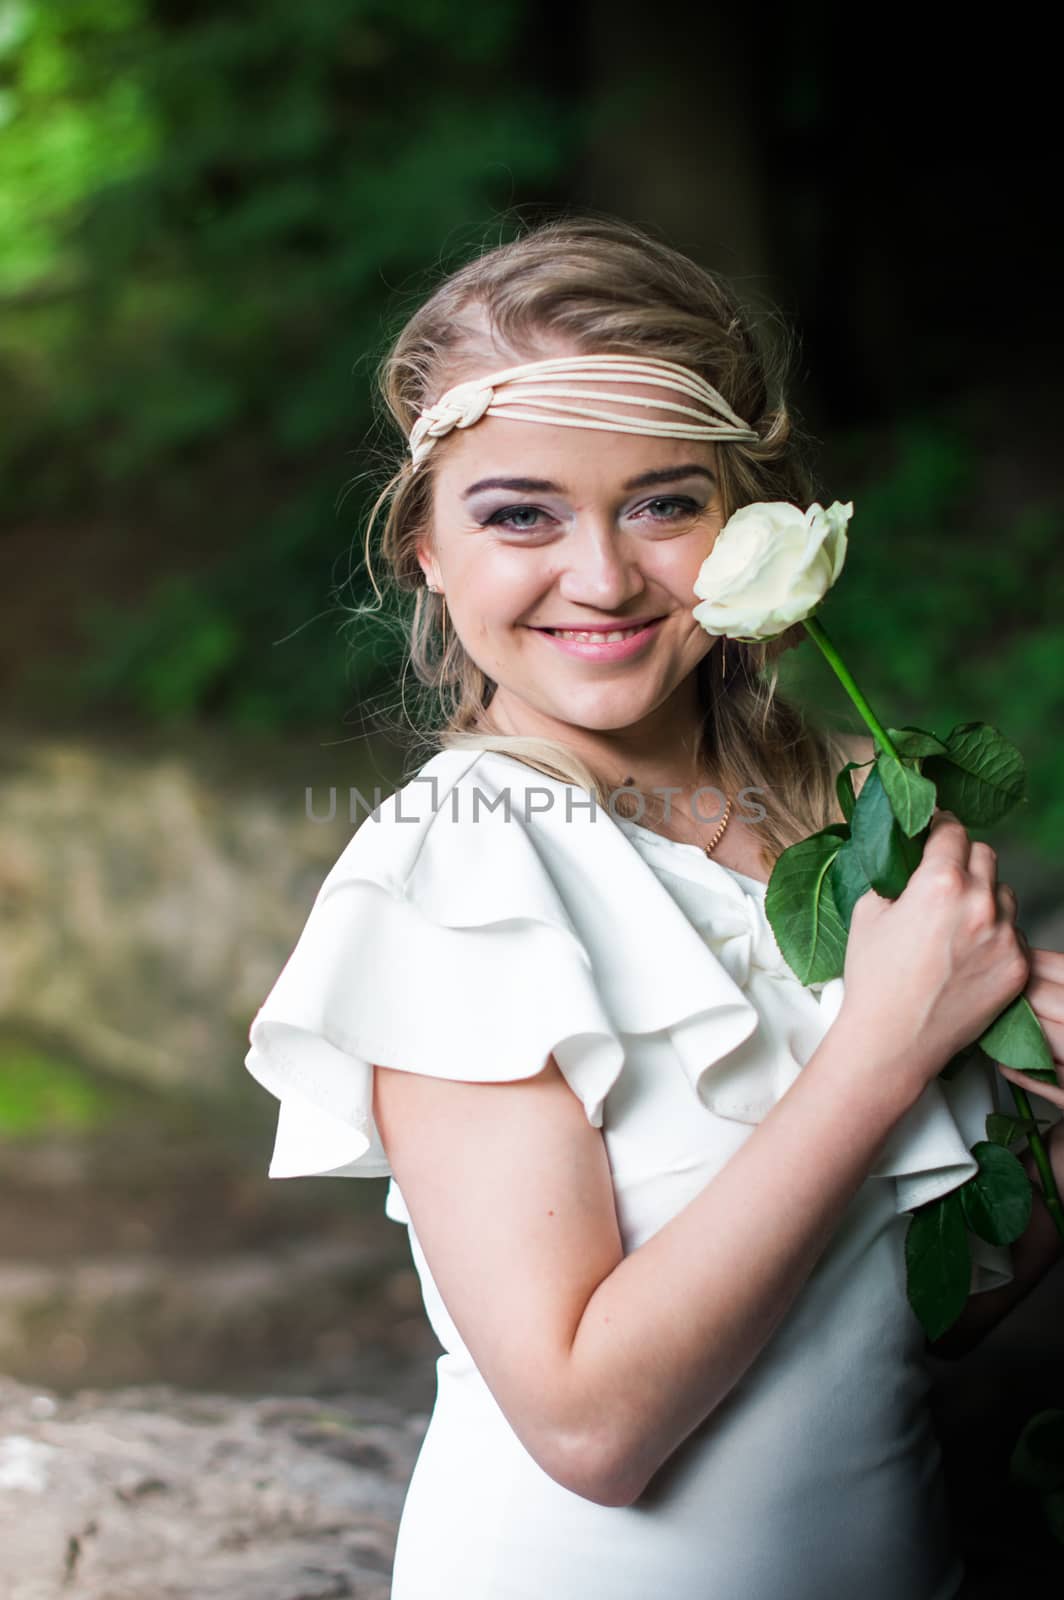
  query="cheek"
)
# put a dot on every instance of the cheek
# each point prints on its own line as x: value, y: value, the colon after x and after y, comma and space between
x: 500, y: 585
x: 677, y: 569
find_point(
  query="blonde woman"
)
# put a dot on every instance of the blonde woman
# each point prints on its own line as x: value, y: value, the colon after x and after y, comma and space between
x: 656, y: 1189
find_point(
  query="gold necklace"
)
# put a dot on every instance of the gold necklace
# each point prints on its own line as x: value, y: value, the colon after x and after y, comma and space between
x: 723, y: 824
x: 711, y: 846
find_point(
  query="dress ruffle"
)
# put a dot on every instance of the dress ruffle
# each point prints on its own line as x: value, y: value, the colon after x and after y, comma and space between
x: 484, y: 882
x: 430, y: 902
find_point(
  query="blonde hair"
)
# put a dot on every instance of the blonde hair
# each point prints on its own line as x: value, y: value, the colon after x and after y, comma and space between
x: 599, y: 284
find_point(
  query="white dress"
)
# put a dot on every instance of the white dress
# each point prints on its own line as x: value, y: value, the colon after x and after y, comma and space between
x: 485, y: 916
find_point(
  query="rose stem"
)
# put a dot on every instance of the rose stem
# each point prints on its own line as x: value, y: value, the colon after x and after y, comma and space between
x: 1041, y: 1160
x: 816, y: 632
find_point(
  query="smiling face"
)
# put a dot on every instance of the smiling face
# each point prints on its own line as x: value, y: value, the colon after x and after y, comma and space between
x: 538, y: 526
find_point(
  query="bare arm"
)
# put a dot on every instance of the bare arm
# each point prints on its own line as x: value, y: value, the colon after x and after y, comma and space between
x: 604, y: 1363
x: 674, y: 1327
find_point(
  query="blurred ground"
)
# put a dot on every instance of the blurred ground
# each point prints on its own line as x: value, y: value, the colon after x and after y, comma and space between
x: 152, y: 1494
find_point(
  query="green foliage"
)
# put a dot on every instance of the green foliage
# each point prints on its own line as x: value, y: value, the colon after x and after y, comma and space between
x: 801, y: 907
x: 40, y: 1092
x: 1017, y: 1039
x: 979, y: 776
x: 912, y: 797
x: 997, y: 1199
x: 994, y: 1203
x: 204, y: 210
x: 938, y: 1264
x: 948, y: 609
x: 211, y: 218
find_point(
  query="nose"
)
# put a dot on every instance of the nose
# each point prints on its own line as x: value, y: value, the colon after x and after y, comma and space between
x: 598, y: 572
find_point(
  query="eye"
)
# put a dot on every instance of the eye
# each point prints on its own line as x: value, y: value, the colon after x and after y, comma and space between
x: 686, y: 507
x: 678, y: 507
x: 503, y: 518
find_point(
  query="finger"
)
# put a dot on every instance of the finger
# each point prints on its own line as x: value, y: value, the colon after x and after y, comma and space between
x: 1054, y: 1093
x: 982, y: 862
x: 947, y: 839
x: 1045, y: 994
x: 1046, y: 1000
x: 1008, y: 906
x: 1048, y: 963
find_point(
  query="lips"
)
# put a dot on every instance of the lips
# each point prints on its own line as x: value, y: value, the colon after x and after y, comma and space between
x: 598, y: 646
x: 603, y: 628
x: 596, y: 635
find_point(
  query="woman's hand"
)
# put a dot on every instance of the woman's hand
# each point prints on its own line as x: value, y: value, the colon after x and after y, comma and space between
x: 1045, y: 996
x: 930, y: 970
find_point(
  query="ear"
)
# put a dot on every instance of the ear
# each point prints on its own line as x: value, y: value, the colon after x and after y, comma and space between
x: 427, y: 562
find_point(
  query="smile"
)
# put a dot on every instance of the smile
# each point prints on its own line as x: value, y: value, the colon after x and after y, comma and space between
x: 616, y: 645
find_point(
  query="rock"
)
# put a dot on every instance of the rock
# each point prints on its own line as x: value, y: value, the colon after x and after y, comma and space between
x: 156, y: 1494
x: 150, y: 899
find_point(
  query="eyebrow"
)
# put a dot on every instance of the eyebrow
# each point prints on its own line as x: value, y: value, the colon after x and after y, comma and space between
x: 645, y: 480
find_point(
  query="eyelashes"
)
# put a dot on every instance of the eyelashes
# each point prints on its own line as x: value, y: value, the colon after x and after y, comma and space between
x: 503, y: 518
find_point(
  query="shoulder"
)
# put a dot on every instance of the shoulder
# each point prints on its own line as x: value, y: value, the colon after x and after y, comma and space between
x: 395, y: 833
x: 473, y: 838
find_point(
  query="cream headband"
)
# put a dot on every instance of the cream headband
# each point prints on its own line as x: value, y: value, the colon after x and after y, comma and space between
x: 466, y: 403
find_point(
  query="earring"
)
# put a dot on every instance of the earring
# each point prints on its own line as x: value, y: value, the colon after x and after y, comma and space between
x: 723, y: 655
x: 443, y: 613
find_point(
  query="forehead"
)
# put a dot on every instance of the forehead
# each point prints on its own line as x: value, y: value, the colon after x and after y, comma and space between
x: 574, y: 458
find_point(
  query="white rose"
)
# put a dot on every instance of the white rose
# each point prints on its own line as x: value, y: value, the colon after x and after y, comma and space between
x: 771, y: 566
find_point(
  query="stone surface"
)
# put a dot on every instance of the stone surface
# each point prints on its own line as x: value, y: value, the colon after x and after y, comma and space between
x: 158, y: 1494
x: 150, y: 898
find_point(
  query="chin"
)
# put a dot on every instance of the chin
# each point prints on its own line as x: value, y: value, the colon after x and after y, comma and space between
x: 602, y: 718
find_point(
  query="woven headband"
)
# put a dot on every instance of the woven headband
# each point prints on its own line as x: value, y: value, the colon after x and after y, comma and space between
x: 466, y: 403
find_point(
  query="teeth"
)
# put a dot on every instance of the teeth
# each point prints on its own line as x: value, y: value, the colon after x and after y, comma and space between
x: 596, y: 638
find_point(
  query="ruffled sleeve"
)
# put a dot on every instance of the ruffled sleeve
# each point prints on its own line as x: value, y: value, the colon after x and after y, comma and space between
x: 450, y: 941
x: 411, y: 957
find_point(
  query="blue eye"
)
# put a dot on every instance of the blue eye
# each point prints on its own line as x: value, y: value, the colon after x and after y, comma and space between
x: 503, y: 518
x: 685, y: 505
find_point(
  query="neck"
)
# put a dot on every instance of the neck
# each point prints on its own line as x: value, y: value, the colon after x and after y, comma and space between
x: 656, y: 753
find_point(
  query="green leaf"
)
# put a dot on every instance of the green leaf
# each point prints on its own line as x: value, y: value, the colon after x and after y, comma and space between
x: 938, y: 1264
x: 915, y: 742
x: 836, y: 830
x: 912, y: 798
x: 1002, y: 1129
x: 844, y: 790
x: 996, y: 1199
x: 878, y: 841
x: 981, y: 777
x: 1037, y: 1460
x: 848, y: 882
x: 1017, y: 1039
x: 802, y: 912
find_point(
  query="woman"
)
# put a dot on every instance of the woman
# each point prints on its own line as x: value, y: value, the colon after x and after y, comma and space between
x: 656, y: 1189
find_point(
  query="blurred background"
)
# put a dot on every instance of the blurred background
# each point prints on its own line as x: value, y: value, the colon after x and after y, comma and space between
x: 212, y: 218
